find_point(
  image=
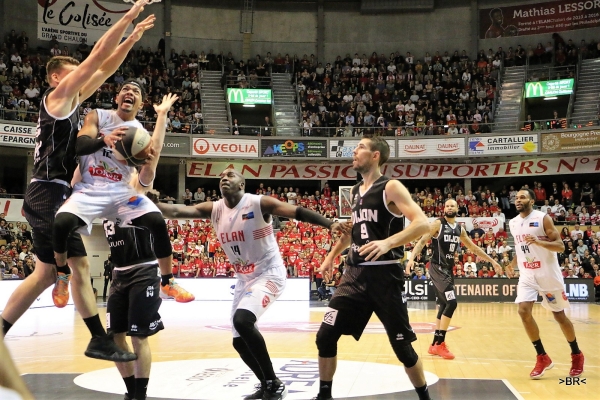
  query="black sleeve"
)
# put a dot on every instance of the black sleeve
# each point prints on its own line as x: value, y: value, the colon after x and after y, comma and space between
x: 85, y: 145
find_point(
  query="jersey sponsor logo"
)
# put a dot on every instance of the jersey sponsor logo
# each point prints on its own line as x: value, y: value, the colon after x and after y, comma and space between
x: 105, y: 171
x: 108, y: 320
x: 531, y: 263
x: 450, y: 295
x: 534, y: 224
x: 550, y: 297
x: 399, y: 336
x: 330, y: 316
x: 564, y: 295
x: 134, y: 328
x: 235, y: 236
x: 154, y: 324
x: 265, y: 301
x: 150, y: 291
x: 243, y: 268
x: 248, y: 216
x: 364, y: 215
x: 135, y: 201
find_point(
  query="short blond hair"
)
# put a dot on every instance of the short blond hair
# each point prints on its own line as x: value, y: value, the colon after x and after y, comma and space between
x: 56, y: 63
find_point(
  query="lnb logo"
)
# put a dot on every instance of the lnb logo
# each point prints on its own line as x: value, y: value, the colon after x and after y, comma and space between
x: 568, y: 381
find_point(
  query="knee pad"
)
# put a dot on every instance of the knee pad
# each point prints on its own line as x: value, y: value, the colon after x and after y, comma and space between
x: 405, y: 353
x: 450, y: 308
x: 441, y: 309
x: 65, y: 223
x: 243, y: 321
x: 327, y: 339
x: 155, y: 223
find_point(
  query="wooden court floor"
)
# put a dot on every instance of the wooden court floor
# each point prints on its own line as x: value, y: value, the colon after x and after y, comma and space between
x: 488, y: 340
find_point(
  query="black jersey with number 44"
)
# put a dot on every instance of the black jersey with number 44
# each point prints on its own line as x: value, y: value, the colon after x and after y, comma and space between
x: 128, y: 246
x: 372, y: 220
x: 54, y: 156
x: 446, y: 244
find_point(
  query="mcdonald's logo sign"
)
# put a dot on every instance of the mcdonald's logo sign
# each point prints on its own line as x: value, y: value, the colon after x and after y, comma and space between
x: 248, y: 96
x: 560, y: 87
x: 534, y: 89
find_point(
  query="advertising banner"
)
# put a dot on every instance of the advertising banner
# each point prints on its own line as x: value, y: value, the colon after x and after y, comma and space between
x: 17, y: 135
x: 282, y: 170
x: 420, y: 148
x: 293, y: 148
x: 570, y: 141
x: 215, y: 147
x: 344, y: 148
x: 533, y: 19
x: 11, y: 208
x: 176, y: 145
x: 484, y: 223
x: 71, y: 21
x: 419, y: 290
x: 494, y: 289
x: 249, y: 96
x: 560, y: 87
x: 506, y: 145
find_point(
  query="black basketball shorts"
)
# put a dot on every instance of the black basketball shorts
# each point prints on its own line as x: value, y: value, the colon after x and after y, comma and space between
x: 443, y: 282
x: 134, y: 301
x: 371, y: 289
x: 42, y: 200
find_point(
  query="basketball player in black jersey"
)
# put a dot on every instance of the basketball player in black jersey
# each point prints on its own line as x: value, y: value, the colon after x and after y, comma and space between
x: 54, y: 164
x: 133, y: 302
x: 446, y: 235
x: 373, y: 279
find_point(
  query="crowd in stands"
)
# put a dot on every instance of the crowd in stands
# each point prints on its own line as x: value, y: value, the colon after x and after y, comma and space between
x: 16, y: 257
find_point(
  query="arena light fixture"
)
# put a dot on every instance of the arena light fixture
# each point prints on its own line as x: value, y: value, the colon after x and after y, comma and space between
x: 550, y: 98
x: 249, y: 105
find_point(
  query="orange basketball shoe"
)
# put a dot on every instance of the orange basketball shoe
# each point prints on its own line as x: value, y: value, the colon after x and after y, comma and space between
x: 60, y: 293
x: 173, y: 290
x: 442, y: 351
x: 542, y: 364
x: 432, y: 350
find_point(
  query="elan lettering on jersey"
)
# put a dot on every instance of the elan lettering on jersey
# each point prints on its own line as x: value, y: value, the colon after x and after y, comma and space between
x: 235, y: 236
x: 364, y: 215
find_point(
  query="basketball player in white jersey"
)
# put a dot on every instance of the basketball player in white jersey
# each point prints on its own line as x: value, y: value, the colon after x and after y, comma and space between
x: 54, y: 165
x: 536, y: 243
x: 243, y: 225
x: 105, y: 191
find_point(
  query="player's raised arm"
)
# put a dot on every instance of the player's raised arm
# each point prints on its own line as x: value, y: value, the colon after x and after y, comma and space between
x: 148, y: 171
x: 61, y: 99
x: 112, y: 63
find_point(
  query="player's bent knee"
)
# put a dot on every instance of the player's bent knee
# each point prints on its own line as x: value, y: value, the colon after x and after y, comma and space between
x: 405, y: 353
x: 450, y: 308
x: 243, y: 321
x: 327, y: 338
x: 441, y: 309
x: 64, y: 224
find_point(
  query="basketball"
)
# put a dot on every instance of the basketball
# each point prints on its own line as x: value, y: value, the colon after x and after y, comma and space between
x: 134, y: 147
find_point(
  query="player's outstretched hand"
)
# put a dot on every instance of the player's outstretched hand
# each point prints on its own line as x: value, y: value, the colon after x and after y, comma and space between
x: 497, y: 268
x: 153, y: 196
x: 142, y: 27
x: 166, y: 104
x: 374, y: 250
x: 136, y: 9
x: 345, y: 228
x: 326, y: 266
x: 112, y: 138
